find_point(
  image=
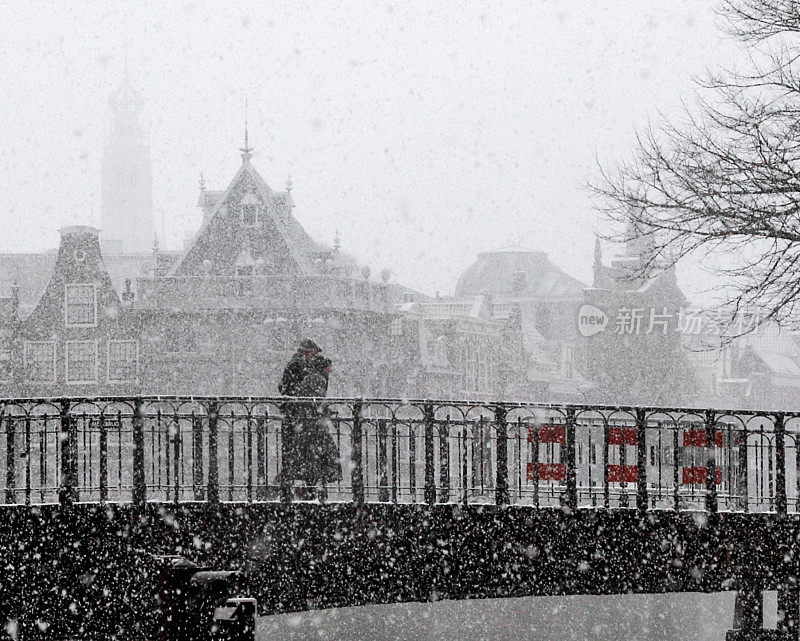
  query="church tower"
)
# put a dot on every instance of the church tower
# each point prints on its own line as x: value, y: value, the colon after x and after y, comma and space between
x: 127, y: 179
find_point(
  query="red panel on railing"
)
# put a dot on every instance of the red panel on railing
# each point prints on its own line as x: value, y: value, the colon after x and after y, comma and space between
x: 697, y: 475
x: 697, y: 437
x: 622, y: 436
x: 623, y: 473
x: 549, y: 434
x: 548, y: 471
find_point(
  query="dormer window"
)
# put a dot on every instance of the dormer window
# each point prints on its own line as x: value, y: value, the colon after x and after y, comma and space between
x: 80, y: 305
x: 245, y: 265
x: 249, y: 209
x: 249, y: 215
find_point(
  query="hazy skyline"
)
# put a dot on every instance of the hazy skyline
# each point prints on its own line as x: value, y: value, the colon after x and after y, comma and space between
x: 424, y: 133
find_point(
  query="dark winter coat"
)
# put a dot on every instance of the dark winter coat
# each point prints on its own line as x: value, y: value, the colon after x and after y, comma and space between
x: 314, y: 384
x: 294, y: 373
x: 316, y: 454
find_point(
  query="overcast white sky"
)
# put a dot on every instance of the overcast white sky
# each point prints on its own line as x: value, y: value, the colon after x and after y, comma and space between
x: 425, y: 132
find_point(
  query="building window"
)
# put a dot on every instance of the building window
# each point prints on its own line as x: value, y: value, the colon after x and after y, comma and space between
x: 250, y: 215
x: 80, y: 305
x: 81, y: 362
x: 40, y: 361
x: 6, y: 371
x: 123, y: 359
x: 397, y: 327
x: 567, y: 361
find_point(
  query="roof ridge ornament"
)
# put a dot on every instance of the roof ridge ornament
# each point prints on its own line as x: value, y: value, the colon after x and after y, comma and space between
x: 247, y: 150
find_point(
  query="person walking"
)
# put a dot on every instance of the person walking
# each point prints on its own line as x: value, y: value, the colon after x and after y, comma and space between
x: 317, y: 454
x: 293, y: 374
x: 297, y: 367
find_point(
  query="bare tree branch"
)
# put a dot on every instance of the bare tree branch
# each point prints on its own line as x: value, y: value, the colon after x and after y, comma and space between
x: 727, y: 180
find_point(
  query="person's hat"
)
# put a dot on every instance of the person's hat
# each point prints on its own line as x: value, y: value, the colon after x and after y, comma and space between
x: 307, y: 345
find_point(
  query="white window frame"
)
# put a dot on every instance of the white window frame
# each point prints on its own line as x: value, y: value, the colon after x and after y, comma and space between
x: 135, y: 361
x: 66, y: 304
x: 66, y: 363
x: 28, y: 379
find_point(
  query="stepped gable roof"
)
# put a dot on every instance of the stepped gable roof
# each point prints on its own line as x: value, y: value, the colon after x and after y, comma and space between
x: 518, y: 272
x: 278, y: 239
x: 31, y: 273
x: 78, y: 261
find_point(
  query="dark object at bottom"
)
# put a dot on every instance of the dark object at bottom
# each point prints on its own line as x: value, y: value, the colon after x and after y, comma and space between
x: 235, y: 621
x: 748, y: 616
x: 757, y: 635
x: 191, y: 597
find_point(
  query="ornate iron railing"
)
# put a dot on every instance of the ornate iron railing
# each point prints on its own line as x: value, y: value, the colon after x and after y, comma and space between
x: 151, y: 448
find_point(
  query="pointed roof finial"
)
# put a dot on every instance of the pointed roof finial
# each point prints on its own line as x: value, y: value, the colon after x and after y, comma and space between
x: 202, y: 182
x: 337, y: 241
x: 289, y: 183
x: 247, y: 150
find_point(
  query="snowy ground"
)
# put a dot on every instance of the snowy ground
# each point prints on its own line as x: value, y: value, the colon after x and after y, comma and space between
x: 673, y: 617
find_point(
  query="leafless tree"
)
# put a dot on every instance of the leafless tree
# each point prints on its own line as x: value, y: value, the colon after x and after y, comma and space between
x: 726, y: 180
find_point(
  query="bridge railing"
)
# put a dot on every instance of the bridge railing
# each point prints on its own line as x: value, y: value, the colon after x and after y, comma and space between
x: 234, y: 449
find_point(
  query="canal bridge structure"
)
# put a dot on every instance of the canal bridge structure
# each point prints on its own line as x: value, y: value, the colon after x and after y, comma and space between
x: 438, y: 499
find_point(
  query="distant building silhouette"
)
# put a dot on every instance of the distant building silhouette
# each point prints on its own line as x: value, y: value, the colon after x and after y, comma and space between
x: 126, y: 217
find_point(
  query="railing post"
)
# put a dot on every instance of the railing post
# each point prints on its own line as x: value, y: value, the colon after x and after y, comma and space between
x: 11, y: 456
x: 780, y: 463
x: 139, y: 482
x: 535, y: 462
x: 711, y: 465
x: 742, y: 480
x: 197, y: 458
x: 213, y: 461
x: 641, y: 461
x: 356, y: 436
x: 383, y: 478
x: 430, y: 483
x: 261, y: 461
x: 176, y: 462
x: 444, y: 461
x: 291, y: 412
x: 676, y: 487
x: 103, y: 459
x: 501, y: 435
x: 69, y: 449
x: 606, y: 488
x: 572, y: 486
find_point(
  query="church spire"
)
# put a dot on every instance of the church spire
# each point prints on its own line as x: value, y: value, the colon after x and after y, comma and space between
x: 598, y: 261
x: 126, y: 217
x: 247, y: 150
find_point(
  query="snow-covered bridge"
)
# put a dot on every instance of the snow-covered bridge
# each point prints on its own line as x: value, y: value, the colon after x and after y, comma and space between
x: 438, y: 499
